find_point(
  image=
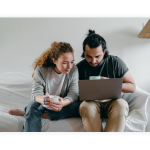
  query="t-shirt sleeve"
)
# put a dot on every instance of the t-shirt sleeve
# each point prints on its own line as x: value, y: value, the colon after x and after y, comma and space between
x: 120, y: 68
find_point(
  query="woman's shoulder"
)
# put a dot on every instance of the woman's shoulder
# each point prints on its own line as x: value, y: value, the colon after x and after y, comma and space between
x: 73, y: 70
x: 42, y: 71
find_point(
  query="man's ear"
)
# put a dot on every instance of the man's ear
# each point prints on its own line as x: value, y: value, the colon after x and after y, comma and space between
x: 104, y: 51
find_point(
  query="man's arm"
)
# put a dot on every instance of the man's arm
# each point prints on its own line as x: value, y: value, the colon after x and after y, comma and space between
x: 128, y: 85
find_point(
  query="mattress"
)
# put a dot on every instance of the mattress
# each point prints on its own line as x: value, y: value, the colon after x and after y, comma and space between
x: 15, y: 91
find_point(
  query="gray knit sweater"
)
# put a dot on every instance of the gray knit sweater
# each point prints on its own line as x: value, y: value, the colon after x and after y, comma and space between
x: 69, y: 89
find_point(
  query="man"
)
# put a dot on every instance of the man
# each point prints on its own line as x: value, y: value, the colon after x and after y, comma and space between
x: 98, y: 62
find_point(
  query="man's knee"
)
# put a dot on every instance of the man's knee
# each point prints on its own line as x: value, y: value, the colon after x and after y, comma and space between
x: 88, y: 108
x: 121, y: 107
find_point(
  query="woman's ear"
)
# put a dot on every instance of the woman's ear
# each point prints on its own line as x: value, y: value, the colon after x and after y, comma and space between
x: 54, y: 61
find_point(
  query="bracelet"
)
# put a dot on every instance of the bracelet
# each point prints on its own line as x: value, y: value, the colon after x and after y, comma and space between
x: 45, y: 100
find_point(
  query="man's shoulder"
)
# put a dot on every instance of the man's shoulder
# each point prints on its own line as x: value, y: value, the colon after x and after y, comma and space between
x: 118, y: 63
x: 81, y: 63
x: 113, y: 59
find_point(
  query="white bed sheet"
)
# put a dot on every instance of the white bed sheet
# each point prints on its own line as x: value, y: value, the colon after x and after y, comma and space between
x: 15, y: 89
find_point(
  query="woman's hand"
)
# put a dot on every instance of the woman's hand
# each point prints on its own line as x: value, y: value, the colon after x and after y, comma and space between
x: 57, y: 106
x: 47, y: 101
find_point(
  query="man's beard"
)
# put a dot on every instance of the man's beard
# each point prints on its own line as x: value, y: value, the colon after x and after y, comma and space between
x: 95, y: 64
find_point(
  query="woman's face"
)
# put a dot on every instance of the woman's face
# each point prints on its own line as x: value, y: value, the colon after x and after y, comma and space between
x: 64, y: 63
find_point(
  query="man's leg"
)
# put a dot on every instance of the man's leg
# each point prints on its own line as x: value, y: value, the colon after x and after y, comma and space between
x: 32, y: 117
x: 90, y: 113
x: 117, y: 112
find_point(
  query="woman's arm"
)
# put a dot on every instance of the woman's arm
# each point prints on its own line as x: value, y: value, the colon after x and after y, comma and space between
x: 73, y: 92
x: 38, y: 88
x: 38, y: 85
x: 66, y: 102
x: 39, y: 99
x: 57, y: 106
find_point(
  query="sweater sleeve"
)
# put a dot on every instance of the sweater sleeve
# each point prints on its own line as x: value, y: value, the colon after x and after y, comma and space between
x: 38, y: 84
x: 72, y: 94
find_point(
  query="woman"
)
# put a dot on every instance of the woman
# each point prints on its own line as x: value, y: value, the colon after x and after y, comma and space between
x: 54, y: 74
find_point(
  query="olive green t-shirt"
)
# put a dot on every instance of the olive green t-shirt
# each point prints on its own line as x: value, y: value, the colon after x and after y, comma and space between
x: 110, y: 67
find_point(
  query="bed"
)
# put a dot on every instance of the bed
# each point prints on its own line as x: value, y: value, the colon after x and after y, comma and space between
x: 15, y: 89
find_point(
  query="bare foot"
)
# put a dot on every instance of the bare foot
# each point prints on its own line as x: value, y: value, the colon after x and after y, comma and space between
x: 16, y: 112
x: 46, y: 116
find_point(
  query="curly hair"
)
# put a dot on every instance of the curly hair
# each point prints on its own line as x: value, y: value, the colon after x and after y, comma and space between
x: 54, y: 51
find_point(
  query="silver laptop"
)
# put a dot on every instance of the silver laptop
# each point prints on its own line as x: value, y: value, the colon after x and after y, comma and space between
x: 100, y: 89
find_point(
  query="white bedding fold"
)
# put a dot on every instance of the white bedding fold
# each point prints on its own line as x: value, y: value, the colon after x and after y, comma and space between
x: 15, y: 92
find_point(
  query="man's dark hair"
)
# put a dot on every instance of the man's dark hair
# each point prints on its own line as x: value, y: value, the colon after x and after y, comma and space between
x: 94, y: 40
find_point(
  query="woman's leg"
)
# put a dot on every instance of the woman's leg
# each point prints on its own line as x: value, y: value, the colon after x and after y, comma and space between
x: 70, y: 111
x: 32, y: 117
x: 18, y: 112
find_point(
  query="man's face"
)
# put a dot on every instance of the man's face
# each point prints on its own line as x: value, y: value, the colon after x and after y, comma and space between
x: 94, y: 55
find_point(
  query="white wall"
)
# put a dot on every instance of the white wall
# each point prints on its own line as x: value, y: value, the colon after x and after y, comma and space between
x: 22, y: 40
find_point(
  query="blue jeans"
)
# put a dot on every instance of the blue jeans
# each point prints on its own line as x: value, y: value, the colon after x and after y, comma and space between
x: 34, y: 111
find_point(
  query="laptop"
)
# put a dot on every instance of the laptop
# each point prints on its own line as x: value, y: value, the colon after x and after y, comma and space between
x: 100, y: 89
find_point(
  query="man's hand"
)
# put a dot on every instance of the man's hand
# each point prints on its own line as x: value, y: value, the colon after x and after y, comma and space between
x: 104, y: 78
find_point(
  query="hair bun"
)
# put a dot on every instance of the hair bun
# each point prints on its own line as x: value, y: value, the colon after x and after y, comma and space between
x: 91, y: 32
